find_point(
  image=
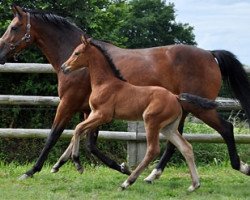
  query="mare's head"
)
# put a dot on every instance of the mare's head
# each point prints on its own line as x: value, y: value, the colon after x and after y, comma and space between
x: 79, y: 58
x: 17, y: 36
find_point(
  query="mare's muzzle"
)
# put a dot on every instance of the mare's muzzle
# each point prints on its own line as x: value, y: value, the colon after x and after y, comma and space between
x: 4, y: 50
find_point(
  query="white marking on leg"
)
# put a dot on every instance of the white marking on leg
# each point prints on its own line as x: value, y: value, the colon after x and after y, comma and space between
x: 155, y: 174
x: 23, y: 177
x: 193, y: 187
x: 244, y: 168
x: 125, y: 184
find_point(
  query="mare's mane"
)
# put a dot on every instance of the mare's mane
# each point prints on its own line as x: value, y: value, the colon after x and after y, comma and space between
x: 53, y: 19
x: 99, y: 45
x: 63, y: 23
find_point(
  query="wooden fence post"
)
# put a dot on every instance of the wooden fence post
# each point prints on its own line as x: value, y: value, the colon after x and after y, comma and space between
x: 136, y: 149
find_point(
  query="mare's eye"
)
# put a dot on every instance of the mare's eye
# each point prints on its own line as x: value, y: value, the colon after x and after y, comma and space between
x: 77, y: 53
x: 14, y: 28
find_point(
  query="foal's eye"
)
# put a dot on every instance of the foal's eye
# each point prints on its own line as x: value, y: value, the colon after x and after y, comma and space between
x: 77, y: 53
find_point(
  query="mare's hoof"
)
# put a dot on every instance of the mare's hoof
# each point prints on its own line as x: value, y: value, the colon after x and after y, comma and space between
x: 244, y: 168
x: 125, y: 169
x: 24, y: 177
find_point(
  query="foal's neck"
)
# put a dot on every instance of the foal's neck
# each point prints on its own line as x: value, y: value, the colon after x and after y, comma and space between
x: 99, y: 68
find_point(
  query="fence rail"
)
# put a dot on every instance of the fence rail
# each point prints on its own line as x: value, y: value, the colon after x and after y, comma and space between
x: 118, y: 135
x: 135, y: 137
x: 224, y: 103
x: 26, y: 68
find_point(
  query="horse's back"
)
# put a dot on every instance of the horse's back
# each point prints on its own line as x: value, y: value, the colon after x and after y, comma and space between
x: 178, y: 68
x: 146, y: 103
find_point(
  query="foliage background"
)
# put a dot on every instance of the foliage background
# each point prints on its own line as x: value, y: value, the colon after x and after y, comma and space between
x: 129, y: 24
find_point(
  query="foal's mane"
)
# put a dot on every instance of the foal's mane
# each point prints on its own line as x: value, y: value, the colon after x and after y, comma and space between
x: 99, y: 45
x: 53, y: 19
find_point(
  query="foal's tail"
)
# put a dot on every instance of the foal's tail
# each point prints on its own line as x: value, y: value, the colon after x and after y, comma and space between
x: 198, y: 101
x: 234, y: 74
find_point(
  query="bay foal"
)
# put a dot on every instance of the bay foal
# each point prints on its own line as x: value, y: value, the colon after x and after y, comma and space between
x: 113, y: 97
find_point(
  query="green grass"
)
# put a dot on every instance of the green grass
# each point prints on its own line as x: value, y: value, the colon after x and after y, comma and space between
x: 192, y: 127
x: 217, y: 182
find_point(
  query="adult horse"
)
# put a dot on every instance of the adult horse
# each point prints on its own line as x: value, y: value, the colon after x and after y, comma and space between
x: 178, y: 68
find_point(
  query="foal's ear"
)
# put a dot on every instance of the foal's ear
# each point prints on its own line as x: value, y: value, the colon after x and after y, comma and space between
x: 85, y: 40
x: 17, y: 11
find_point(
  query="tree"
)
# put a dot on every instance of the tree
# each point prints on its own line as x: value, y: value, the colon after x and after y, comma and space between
x: 152, y: 23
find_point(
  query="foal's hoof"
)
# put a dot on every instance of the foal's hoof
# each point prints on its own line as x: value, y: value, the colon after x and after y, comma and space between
x: 24, y: 177
x: 54, y: 170
x: 125, y: 185
x: 148, y: 181
x: 125, y: 169
x: 155, y: 174
x: 80, y: 170
x: 193, y: 187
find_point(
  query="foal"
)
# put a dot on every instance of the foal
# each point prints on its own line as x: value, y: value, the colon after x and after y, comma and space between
x: 112, y: 97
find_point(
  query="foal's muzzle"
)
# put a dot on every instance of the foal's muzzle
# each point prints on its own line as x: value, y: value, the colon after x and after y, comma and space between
x: 66, y: 69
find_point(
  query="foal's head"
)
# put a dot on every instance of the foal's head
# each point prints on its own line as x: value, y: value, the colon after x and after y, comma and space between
x: 78, y: 59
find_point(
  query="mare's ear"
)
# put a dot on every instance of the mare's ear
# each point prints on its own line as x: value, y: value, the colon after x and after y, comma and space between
x: 17, y: 11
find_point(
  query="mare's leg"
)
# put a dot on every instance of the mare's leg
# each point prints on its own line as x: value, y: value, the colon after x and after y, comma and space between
x: 91, y: 146
x: 225, y: 129
x: 63, y: 115
x: 168, y: 153
x: 153, y: 149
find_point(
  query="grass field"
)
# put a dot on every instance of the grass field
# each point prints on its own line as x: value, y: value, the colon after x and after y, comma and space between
x: 217, y: 182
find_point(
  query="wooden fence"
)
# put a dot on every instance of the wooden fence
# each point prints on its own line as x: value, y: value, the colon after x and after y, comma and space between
x: 135, y: 136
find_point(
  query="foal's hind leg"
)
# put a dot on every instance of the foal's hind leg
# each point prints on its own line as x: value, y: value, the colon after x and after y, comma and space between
x: 226, y: 131
x: 187, y: 151
x: 153, y: 149
x: 172, y: 134
x: 94, y: 120
x: 168, y: 153
x: 64, y: 158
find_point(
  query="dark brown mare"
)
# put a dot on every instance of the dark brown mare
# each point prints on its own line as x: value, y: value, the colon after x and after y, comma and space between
x: 113, y: 97
x: 179, y: 68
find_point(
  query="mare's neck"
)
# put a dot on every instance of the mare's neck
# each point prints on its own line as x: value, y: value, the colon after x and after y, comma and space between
x: 57, y: 45
x: 99, y: 68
